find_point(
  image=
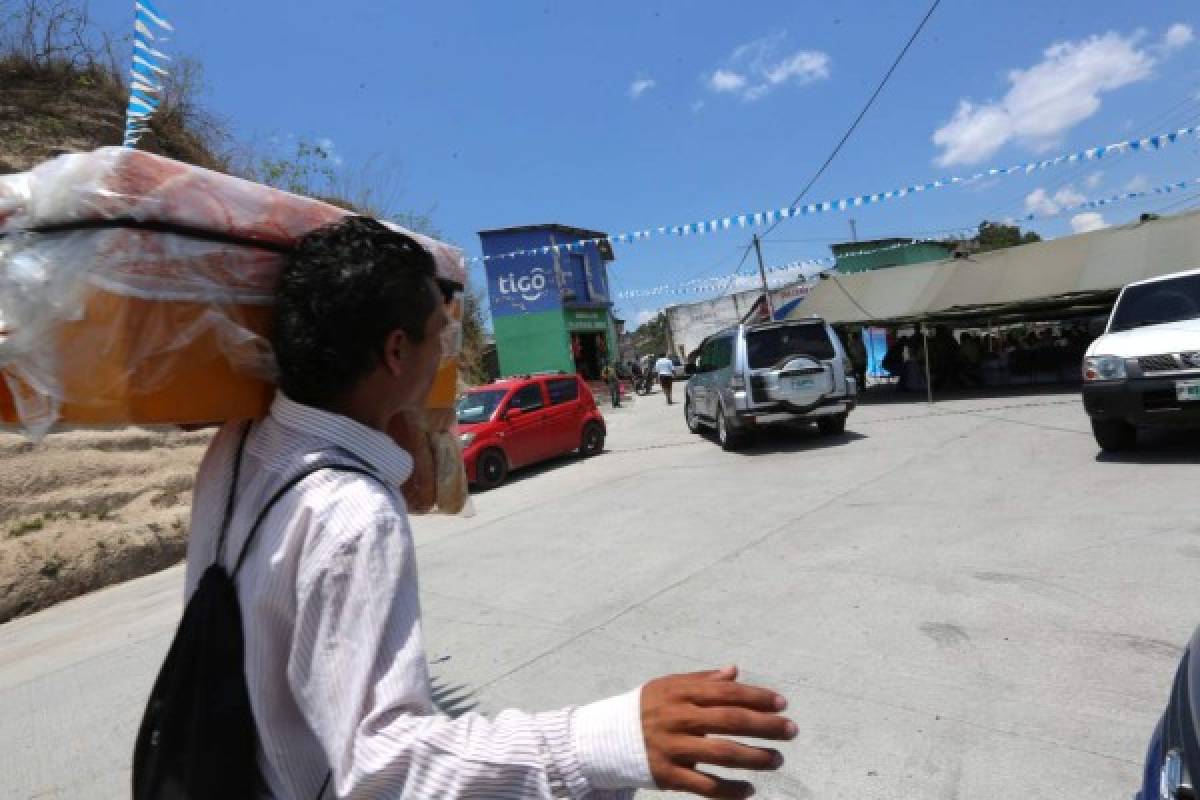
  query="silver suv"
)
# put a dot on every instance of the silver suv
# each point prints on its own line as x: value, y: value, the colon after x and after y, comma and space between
x: 754, y: 375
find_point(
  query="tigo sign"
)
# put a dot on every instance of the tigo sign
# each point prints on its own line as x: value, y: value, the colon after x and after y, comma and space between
x: 522, y: 288
x: 530, y: 287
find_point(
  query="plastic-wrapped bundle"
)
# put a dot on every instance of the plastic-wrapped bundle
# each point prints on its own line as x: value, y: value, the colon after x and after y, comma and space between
x: 138, y: 290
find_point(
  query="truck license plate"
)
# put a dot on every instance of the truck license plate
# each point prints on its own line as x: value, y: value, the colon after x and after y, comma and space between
x: 1187, y: 390
x: 799, y: 384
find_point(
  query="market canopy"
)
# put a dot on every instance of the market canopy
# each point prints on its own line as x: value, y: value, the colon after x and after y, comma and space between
x: 1063, y: 277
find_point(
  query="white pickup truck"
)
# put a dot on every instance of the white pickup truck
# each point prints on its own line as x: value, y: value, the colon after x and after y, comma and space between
x: 1145, y: 369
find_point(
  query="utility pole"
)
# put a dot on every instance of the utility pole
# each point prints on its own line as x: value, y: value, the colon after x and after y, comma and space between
x: 762, y: 272
x: 853, y: 231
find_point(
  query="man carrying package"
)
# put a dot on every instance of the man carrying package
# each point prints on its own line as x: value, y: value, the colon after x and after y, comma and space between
x: 665, y: 369
x: 334, y: 656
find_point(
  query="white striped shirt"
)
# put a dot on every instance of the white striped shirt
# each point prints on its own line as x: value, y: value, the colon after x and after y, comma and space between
x: 335, y: 661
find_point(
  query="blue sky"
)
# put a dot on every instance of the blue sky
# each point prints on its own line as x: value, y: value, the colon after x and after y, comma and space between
x: 620, y: 116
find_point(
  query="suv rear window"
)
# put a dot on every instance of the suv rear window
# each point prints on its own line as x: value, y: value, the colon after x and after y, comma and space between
x: 562, y: 390
x: 1154, y: 303
x: 716, y: 354
x: 772, y: 346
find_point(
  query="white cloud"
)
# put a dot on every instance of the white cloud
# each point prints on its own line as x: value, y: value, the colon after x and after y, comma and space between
x: 1067, y: 196
x: 1138, y: 183
x: 1178, y: 35
x: 640, y: 86
x: 1046, y: 100
x: 757, y: 68
x: 1037, y: 202
x: 1088, y: 221
x: 803, y: 66
x: 1040, y: 202
x: 328, y: 149
x: 724, y: 80
x: 1093, y: 181
x: 644, y: 316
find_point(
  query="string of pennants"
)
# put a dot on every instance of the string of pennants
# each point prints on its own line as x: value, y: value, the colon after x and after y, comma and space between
x: 782, y: 273
x: 1089, y: 205
x: 146, y: 73
x: 734, y: 280
x: 760, y: 218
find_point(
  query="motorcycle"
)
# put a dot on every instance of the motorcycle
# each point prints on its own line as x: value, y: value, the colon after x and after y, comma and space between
x: 1172, y: 764
x: 644, y: 384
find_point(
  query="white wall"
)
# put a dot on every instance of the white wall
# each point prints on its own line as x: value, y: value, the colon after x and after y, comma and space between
x: 690, y: 324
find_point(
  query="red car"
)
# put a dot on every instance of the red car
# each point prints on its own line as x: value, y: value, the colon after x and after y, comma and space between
x: 520, y: 421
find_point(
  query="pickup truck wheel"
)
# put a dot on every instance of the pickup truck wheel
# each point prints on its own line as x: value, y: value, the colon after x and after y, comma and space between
x: 832, y: 426
x: 1114, y: 435
x: 592, y: 441
x: 491, y: 469
x: 728, y: 439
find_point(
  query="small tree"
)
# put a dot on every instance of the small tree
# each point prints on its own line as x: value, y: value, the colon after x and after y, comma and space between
x: 311, y: 169
x: 997, y: 235
x: 651, y: 336
x: 46, y: 33
x: 474, y: 340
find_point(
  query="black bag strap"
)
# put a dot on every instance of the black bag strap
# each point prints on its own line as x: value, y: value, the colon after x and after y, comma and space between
x: 230, y: 499
x: 287, y: 487
x: 262, y: 516
x: 361, y: 468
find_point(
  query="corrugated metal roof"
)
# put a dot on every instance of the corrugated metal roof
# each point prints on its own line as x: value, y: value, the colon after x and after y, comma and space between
x: 1085, y: 270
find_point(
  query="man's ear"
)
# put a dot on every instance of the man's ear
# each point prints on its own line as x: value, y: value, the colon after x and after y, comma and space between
x: 396, y: 349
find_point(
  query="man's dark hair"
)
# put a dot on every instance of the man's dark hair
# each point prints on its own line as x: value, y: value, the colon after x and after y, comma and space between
x: 344, y: 288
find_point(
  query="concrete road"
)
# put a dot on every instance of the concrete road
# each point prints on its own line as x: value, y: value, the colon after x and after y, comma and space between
x: 959, y: 601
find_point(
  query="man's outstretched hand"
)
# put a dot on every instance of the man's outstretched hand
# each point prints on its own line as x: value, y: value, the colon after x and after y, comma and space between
x: 680, y: 711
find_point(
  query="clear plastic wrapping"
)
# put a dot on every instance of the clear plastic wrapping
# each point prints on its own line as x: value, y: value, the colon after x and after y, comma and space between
x: 138, y: 290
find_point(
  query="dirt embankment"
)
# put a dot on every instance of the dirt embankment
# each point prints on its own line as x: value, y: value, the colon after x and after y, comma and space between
x: 86, y: 509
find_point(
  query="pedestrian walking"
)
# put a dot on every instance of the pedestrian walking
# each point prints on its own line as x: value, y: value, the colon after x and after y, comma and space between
x: 665, y: 370
x: 335, y: 666
x: 857, y: 353
x: 610, y: 377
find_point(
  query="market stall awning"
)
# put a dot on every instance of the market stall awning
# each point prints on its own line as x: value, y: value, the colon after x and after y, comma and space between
x: 1067, y: 276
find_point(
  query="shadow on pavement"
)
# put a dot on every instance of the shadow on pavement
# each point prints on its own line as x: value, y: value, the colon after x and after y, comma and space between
x: 1159, y: 446
x: 540, y: 468
x: 886, y: 394
x: 791, y: 439
x: 453, y: 700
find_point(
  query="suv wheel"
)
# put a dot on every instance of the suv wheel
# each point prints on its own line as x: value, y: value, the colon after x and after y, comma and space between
x: 592, y: 442
x: 832, y: 426
x: 491, y: 469
x: 1114, y: 435
x: 689, y: 415
x: 728, y: 439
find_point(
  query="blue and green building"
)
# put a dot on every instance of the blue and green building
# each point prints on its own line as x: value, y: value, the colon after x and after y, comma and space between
x: 550, y: 299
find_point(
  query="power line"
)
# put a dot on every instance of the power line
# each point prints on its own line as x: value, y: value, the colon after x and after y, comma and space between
x: 845, y: 137
x: 819, y: 239
x: 713, y: 266
x: 1179, y: 112
x: 718, y: 261
x: 854, y: 125
x: 849, y: 296
x: 733, y: 278
x: 1178, y: 202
